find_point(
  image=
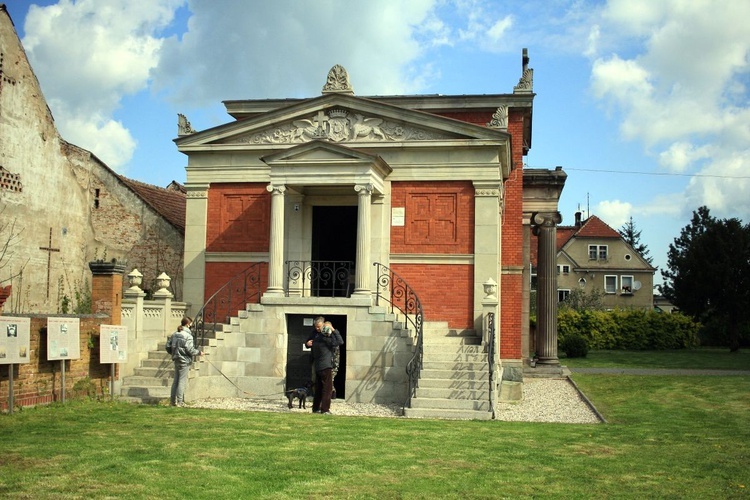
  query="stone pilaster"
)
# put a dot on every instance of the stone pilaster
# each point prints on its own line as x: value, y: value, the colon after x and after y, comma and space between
x: 545, y: 228
x: 364, y: 222
x: 276, y: 245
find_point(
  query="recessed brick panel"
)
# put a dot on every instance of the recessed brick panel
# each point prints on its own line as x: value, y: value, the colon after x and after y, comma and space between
x: 238, y: 218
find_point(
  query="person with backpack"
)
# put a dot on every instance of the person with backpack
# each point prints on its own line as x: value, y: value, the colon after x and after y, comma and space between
x: 180, y: 346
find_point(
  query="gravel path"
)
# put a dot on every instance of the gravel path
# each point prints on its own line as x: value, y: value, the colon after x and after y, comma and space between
x: 544, y: 400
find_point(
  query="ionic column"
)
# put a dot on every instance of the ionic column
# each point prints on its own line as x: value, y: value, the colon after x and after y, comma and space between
x: 276, y: 243
x: 362, y: 266
x: 544, y: 226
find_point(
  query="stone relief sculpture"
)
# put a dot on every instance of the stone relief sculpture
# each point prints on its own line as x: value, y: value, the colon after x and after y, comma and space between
x: 499, y: 118
x: 338, y: 81
x: 339, y: 125
x: 183, y: 125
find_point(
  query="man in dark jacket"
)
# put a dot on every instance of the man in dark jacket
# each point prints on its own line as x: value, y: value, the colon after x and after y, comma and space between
x: 180, y: 344
x: 323, y: 347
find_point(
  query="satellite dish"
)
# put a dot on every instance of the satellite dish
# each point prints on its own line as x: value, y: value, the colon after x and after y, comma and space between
x: 636, y: 285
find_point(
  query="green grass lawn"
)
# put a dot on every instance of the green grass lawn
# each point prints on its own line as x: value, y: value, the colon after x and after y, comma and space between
x: 678, y: 437
x: 703, y: 358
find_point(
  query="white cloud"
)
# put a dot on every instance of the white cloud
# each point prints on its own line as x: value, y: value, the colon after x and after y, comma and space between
x: 681, y: 155
x: 614, y: 212
x: 88, y: 54
x: 497, y: 32
x: 677, y: 78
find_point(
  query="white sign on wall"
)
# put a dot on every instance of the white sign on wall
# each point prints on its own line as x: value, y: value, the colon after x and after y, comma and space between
x: 63, y: 338
x: 15, y: 338
x: 113, y: 344
x: 397, y: 216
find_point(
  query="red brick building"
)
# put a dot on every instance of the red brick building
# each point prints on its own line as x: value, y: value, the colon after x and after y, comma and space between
x: 346, y: 203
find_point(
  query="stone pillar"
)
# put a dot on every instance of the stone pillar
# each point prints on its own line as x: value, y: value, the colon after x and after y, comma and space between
x: 106, y: 289
x: 545, y: 228
x: 196, y: 221
x: 487, y: 238
x: 364, y: 222
x: 164, y: 296
x: 276, y: 245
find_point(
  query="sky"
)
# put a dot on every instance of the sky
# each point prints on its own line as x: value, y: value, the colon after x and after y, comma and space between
x: 643, y: 103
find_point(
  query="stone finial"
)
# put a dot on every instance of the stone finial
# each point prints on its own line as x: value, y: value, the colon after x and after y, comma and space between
x: 526, y: 83
x: 135, y: 278
x: 338, y: 81
x: 490, y: 288
x: 500, y: 118
x: 163, y: 281
x: 183, y: 125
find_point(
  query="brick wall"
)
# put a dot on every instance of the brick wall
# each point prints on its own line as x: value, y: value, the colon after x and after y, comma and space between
x: 38, y: 382
x: 239, y: 218
x: 512, y: 241
x: 475, y: 117
x: 443, y: 290
x: 218, y: 274
x: 439, y: 217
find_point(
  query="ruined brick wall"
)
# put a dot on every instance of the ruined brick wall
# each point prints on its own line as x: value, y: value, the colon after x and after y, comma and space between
x: 38, y: 382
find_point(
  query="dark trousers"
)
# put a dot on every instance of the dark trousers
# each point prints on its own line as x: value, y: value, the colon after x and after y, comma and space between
x: 323, y: 389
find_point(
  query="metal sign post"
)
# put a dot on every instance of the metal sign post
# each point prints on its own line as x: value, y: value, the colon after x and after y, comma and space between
x: 62, y: 381
x: 112, y: 382
x: 10, y: 388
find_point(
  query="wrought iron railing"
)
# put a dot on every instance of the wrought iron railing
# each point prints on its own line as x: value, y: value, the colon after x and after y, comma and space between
x: 392, y: 289
x: 320, y: 278
x: 242, y: 289
x: 491, y: 358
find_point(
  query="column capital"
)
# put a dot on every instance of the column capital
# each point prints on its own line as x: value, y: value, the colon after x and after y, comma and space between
x: 545, y: 219
x: 364, y: 189
x: 276, y: 188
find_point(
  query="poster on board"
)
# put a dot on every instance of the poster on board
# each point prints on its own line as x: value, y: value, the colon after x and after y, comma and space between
x: 15, y: 339
x: 63, y: 338
x: 113, y: 344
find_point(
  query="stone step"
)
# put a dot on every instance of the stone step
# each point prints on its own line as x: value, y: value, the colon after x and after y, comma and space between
x: 451, y: 404
x: 146, y: 393
x: 463, y: 394
x: 157, y: 363
x: 428, y: 364
x: 457, y: 341
x: 447, y: 413
x: 455, y: 357
x: 449, y: 348
x: 454, y: 375
x: 441, y: 383
x: 160, y: 354
x: 136, y: 380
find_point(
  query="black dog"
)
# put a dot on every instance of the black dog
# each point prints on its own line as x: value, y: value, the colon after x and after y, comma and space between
x: 301, y: 393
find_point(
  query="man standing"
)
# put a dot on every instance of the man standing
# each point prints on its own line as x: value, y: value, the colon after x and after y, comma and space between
x: 180, y: 344
x: 323, y: 347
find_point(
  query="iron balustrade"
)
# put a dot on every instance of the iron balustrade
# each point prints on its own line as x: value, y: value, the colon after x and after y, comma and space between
x: 394, y: 290
x: 320, y: 278
x: 491, y: 358
x: 240, y: 290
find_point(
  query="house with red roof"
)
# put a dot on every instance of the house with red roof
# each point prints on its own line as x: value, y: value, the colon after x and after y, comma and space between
x: 593, y: 256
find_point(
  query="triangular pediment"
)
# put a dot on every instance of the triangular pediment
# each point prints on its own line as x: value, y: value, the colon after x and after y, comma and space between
x: 340, y: 119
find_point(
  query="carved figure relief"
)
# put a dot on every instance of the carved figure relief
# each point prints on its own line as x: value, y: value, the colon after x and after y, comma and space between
x: 339, y: 125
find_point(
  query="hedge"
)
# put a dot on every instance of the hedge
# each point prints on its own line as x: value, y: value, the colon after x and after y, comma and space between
x: 628, y: 329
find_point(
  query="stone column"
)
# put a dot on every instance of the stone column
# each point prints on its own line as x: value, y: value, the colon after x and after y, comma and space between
x: 196, y: 221
x: 362, y: 266
x: 545, y: 228
x: 276, y: 245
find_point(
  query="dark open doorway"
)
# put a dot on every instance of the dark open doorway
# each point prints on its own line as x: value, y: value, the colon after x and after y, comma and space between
x: 298, y: 361
x: 334, y: 250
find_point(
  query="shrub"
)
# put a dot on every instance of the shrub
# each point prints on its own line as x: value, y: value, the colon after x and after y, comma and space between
x: 575, y: 346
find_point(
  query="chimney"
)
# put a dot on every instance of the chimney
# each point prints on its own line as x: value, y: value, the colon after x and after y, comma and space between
x: 578, y: 219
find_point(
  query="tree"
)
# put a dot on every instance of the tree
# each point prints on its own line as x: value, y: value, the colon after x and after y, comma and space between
x: 708, y: 275
x: 579, y: 300
x: 632, y: 237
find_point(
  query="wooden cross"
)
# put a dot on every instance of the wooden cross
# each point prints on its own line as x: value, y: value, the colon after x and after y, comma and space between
x: 49, y: 251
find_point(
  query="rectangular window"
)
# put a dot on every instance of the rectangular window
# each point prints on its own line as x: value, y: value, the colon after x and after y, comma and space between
x: 533, y: 277
x: 592, y: 252
x: 610, y: 284
x: 626, y: 285
x: 562, y: 295
x: 602, y: 252
x: 563, y: 269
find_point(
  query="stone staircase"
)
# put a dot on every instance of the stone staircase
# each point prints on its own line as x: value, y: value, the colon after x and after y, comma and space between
x: 454, y: 382
x: 152, y: 381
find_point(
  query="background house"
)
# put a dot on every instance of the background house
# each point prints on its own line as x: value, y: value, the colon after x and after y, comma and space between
x: 593, y: 256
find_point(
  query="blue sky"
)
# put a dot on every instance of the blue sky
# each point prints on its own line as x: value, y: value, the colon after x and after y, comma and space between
x: 643, y: 103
